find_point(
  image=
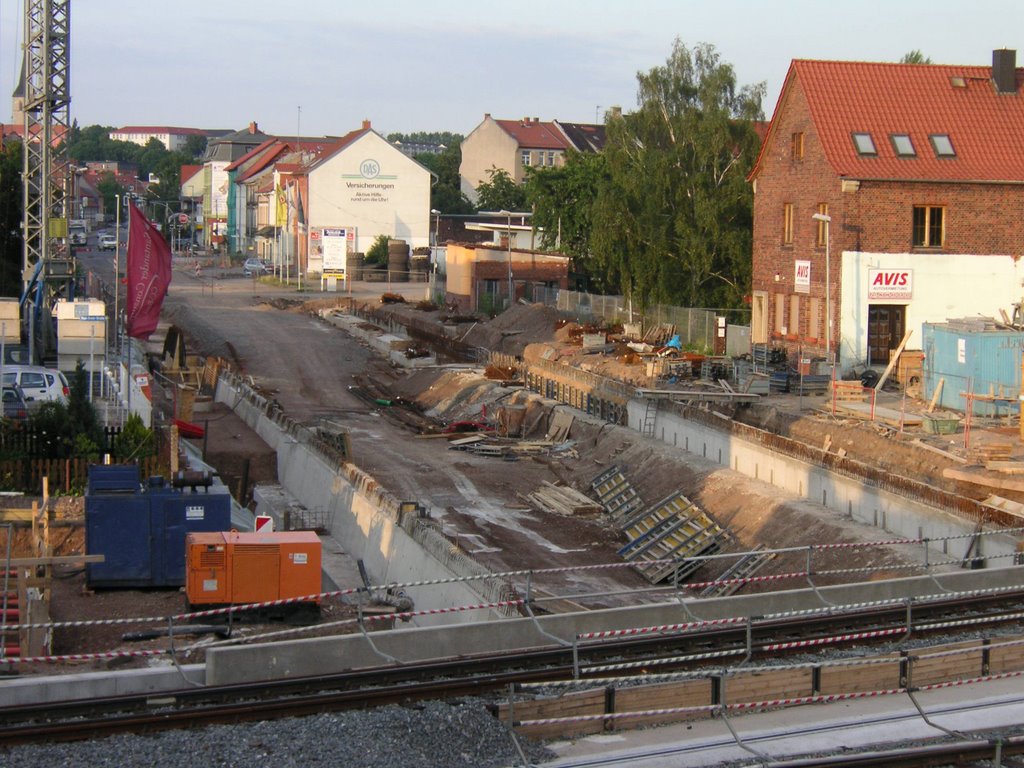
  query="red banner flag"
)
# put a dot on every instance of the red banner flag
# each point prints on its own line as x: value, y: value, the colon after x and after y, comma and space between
x: 149, y: 274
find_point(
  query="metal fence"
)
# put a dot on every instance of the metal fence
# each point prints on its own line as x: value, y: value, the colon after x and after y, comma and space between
x: 695, y: 326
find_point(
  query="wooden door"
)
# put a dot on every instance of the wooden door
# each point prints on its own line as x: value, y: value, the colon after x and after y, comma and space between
x: 885, y: 331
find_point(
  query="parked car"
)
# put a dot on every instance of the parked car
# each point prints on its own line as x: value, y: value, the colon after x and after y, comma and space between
x: 108, y: 243
x: 253, y: 266
x: 15, y: 406
x: 39, y: 385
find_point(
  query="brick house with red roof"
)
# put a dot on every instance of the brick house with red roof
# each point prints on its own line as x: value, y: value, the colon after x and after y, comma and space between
x: 909, y: 178
x: 515, y: 145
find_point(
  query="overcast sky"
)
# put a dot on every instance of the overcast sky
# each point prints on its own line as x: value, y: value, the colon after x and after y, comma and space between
x: 322, y: 66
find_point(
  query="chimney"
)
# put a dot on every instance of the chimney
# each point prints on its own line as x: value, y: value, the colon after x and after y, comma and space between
x: 1004, y: 70
x: 366, y: 125
x: 253, y: 128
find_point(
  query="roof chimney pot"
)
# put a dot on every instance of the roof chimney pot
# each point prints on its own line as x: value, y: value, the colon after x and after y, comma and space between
x: 1004, y: 70
x: 366, y: 125
x: 253, y: 127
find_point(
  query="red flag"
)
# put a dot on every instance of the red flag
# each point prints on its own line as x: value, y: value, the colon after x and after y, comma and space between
x: 149, y: 274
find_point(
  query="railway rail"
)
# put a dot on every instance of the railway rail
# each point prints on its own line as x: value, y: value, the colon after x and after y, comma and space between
x: 635, y: 652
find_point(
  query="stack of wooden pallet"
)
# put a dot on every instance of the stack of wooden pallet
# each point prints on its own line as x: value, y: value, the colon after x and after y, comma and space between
x: 563, y: 500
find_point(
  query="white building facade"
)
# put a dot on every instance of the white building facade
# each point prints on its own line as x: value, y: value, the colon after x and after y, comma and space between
x: 366, y: 188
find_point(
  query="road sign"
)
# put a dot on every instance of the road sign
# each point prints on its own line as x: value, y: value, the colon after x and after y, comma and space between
x: 183, y: 218
x: 264, y: 524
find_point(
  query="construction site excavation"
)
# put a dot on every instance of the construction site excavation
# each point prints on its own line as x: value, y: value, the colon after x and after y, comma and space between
x: 417, y: 487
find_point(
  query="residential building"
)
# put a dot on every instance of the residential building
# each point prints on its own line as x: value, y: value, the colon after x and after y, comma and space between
x: 367, y: 187
x: 515, y: 145
x: 886, y: 196
x: 220, y: 153
x: 482, y: 277
x: 173, y: 139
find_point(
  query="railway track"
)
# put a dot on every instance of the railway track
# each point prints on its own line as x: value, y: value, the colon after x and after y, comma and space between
x: 668, y: 650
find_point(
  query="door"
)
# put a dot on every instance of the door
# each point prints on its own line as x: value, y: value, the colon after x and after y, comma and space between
x: 886, y: 324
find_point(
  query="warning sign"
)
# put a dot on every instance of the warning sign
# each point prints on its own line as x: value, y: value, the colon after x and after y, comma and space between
x: 264, y: 524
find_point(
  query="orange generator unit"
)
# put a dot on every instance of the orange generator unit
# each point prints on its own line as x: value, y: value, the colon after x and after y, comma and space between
x: 232, y: 568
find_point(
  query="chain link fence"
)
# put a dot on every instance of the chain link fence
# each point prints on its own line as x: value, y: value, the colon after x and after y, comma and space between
x: 695, y: 327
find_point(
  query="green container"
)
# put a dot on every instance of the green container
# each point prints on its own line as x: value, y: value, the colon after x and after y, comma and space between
x: 940, y: 425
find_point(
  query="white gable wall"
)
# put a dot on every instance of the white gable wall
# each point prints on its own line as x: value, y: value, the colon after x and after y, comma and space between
x: 371, y: 186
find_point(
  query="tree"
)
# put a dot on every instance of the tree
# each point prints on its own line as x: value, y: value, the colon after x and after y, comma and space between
x: 562, y: 200
x: 11, y: 196
x: 915, y: 57
x: 500, y: 192
x: 673, y: 222
x: 378, y: 251
x: 446, y: 193
x: 109, y: 188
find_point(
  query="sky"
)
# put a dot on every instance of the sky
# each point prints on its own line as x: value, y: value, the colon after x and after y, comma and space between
x: 320, y: 67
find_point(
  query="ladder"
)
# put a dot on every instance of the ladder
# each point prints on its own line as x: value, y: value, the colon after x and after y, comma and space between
x: 650, y: 416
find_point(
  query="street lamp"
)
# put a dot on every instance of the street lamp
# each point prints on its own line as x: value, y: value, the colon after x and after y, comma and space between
x: 508, y: 240
x: 824, y: 217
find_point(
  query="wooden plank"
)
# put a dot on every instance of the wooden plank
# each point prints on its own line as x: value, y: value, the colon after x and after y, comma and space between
x: 67, y: 560
x: 936, y: 395
x: 1007, y: 467
x: 986, y: 481
x: 892, y: 362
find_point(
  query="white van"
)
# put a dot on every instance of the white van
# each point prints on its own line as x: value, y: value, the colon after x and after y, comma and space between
x: 40, y: 385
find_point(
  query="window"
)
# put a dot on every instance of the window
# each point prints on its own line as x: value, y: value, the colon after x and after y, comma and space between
x: 942, y: 145
x: 794, y: 314
x: 814, y: 318
x: 526, y: 156
x: 797, y: 148
x: 822, y: 239
x: 787, y: 223
x: 780, y: 313
x: 551, y: 159
x: 929, y: 226
x: 903, y: 145
x: 864, y: 143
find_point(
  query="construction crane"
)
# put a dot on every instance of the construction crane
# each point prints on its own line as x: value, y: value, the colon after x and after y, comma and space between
x: 48, y: 268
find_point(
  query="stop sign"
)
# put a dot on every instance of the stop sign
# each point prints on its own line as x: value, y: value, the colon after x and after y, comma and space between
x: 183, y: 218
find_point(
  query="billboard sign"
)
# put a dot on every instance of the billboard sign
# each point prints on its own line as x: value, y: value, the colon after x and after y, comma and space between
x: 887, y: 284
x: 802, y: 276
x: 334, y: 246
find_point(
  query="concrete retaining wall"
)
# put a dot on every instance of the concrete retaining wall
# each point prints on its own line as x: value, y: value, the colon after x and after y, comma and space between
x: 863, y: 503
x: 395, y: 546
x: 336, y: 654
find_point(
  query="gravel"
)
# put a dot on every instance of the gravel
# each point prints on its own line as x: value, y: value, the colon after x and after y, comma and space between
x: 432, y: 735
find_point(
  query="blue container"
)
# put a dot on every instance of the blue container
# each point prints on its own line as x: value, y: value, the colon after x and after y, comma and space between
x: 971, y: 356
x: 141, y: 534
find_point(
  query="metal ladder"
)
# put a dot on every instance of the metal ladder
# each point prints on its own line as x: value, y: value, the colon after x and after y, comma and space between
x: 650, y: 416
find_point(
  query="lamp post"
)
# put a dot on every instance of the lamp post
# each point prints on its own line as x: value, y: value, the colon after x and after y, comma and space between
x: 508, y: 241
x: 827, y: 220
x: 433, y: 267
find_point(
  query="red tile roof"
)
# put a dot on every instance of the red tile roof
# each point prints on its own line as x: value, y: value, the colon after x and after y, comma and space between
x: 531, y: 133
x: 188, y: 171
x: 920, y: 100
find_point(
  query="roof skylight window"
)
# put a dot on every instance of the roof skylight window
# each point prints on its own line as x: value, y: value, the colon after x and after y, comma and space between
x: 864, y: 143
x: 903, y: 145
x: 942, y: 145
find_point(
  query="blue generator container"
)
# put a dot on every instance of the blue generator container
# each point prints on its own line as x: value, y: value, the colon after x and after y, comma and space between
x: 973, y: 356
x: 140, y: 530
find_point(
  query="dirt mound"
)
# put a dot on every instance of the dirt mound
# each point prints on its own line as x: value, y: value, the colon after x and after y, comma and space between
x: 516, y: 327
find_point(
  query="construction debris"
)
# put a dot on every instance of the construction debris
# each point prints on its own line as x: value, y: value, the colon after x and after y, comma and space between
x: 563, y: 500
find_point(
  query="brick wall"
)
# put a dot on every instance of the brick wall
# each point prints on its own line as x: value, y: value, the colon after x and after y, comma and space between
x: 981, y: 218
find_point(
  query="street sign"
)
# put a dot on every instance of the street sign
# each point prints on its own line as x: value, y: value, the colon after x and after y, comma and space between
x: 183, y: 218
x: 264, y: 524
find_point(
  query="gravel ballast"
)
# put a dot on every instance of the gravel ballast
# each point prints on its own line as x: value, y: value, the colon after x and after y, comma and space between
x: 432, y: 735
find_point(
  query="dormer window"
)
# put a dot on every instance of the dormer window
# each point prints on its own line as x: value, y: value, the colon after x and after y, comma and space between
x: 903, y: 145
x: 942, y: 145
x: 864, y: 143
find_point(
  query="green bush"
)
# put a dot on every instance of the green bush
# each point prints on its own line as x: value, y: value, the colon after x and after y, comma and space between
x: 378, y: 252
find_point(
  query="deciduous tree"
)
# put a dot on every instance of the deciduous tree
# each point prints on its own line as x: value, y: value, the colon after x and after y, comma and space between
x: 673, y: 222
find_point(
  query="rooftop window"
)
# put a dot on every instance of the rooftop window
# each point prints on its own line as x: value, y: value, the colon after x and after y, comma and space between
x: 864, y: 143
x: 942, y: 145
x: 903, y: 145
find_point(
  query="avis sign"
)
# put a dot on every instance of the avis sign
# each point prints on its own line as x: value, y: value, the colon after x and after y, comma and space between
x: 802, y: 276
x: 890, y: 284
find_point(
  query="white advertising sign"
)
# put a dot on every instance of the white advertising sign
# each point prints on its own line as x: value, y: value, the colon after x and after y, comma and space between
x: 333, y: 243
x: 890, y: 284
x: 802, y: 276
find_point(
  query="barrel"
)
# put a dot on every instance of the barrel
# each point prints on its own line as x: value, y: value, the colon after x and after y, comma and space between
x: 398, y: 260
x: 355, y: 265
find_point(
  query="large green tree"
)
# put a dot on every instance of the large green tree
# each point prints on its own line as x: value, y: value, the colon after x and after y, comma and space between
x: 500, y: 192
x: 445, y: 192
x: 672, y: 223
x: 562, y: 199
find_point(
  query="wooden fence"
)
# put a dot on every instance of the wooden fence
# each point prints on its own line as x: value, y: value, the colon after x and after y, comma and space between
x: 65, y: 475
